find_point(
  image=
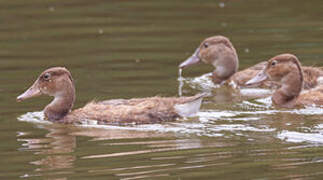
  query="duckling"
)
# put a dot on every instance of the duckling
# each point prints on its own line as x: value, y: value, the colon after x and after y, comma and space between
x: 286, y: 69
x: 219, y: 52
x: 58, y: 82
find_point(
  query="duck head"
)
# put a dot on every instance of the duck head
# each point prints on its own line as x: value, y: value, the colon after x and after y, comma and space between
x: 278, y: 68
x: 217, y: 51
x: 285, y: 69
x: 56, y: 82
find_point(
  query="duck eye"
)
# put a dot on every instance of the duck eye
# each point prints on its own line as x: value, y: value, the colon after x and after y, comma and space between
x: 46, y: 76
x: 273, y: 63
x: 206, y: 45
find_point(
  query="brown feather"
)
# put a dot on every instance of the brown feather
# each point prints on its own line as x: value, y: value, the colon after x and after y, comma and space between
x: 58, y: 82
x: 221, y: 53
x: 125, y: 111
x: 287, y: 70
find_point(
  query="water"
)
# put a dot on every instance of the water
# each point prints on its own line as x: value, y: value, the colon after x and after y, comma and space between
x: 180, y: 82
x: 123, y: 49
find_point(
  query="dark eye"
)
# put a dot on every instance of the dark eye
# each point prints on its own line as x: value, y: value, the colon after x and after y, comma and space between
x: 46, y: 76
x: 206, y: 45
x: 273, y: 63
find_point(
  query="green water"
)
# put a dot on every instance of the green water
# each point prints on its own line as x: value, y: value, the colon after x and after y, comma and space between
x: 127, y: 48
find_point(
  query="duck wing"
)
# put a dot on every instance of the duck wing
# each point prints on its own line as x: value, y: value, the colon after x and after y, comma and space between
x: 311, y: 97
x: 259, y: 66
x: 240, y: 78
x: 313, y: 76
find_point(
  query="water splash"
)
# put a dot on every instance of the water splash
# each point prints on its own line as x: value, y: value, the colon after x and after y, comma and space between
x: 203, y: 83
x: 298, y: 137
x: 246, y: 117
x: 34, y: 117
x: 255, y: 92
x: 221, y: 4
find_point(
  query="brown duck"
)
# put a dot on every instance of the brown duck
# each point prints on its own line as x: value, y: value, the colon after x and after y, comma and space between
x: 58, y: 82
x: 287, y: 70
x: 219, y: 52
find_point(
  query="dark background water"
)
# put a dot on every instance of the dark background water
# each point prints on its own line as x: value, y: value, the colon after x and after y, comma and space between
x: 127, y: 48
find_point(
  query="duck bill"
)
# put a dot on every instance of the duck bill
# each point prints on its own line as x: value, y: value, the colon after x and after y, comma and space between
x: 33, y: 91
x: 260, y: 77
x: 194, y: 59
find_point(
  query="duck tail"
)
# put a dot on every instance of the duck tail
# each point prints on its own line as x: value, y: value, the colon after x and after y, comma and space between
x: 190, y: 106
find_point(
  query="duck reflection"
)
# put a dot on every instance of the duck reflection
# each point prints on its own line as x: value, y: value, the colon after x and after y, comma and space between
x: 56, y: 149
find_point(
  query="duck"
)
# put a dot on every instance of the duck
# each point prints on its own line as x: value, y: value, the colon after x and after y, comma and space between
x: 220, y: 52
x: 287, y: 70
x: 58, y: 82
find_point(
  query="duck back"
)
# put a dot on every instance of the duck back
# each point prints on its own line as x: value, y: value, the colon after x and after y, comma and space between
x: 136, y: 111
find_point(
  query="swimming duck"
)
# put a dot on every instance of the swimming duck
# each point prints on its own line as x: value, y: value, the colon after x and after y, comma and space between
x: 287, y: 70
x: 58, y: 82
x: 219, y: 52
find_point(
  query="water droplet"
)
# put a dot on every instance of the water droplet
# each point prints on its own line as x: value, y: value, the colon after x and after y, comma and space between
x: 222, y: 4
x: 51, y: 8
x: 246, y: 50
x: 25, y: 176
x: 181, y: 83
x: 100, y: 31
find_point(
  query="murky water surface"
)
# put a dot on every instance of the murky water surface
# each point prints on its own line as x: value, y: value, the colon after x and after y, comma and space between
x: 123, y: 49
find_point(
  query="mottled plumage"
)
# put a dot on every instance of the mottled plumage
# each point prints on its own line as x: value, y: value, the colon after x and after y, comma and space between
x: 219, y: 52
x: 124, y: 111
x: 58, y: 82
x: 287, y: 70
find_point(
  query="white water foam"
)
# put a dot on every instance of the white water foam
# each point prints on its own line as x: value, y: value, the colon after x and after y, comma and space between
x: 255, y: 92
x: 241, y: 127
x: 203, y: 83
x: 211, y: 123
x: 34, y: 117
x: 298, y: 137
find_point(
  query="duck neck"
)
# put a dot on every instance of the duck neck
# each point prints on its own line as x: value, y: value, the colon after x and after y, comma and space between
x: 225, y: 66
x: 61, y: 105
x: 292, y: 85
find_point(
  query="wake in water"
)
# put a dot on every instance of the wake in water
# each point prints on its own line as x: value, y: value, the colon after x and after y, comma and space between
x: 299, y: 137
x: 201, y: 83
x: 245, y: 119
x: 204, y: 83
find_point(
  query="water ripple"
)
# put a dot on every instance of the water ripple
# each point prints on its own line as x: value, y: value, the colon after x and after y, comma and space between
x: 297, y: 137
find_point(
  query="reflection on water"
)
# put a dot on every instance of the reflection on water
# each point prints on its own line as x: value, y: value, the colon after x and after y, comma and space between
x: 55, y: 151
x: 144, y: 154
